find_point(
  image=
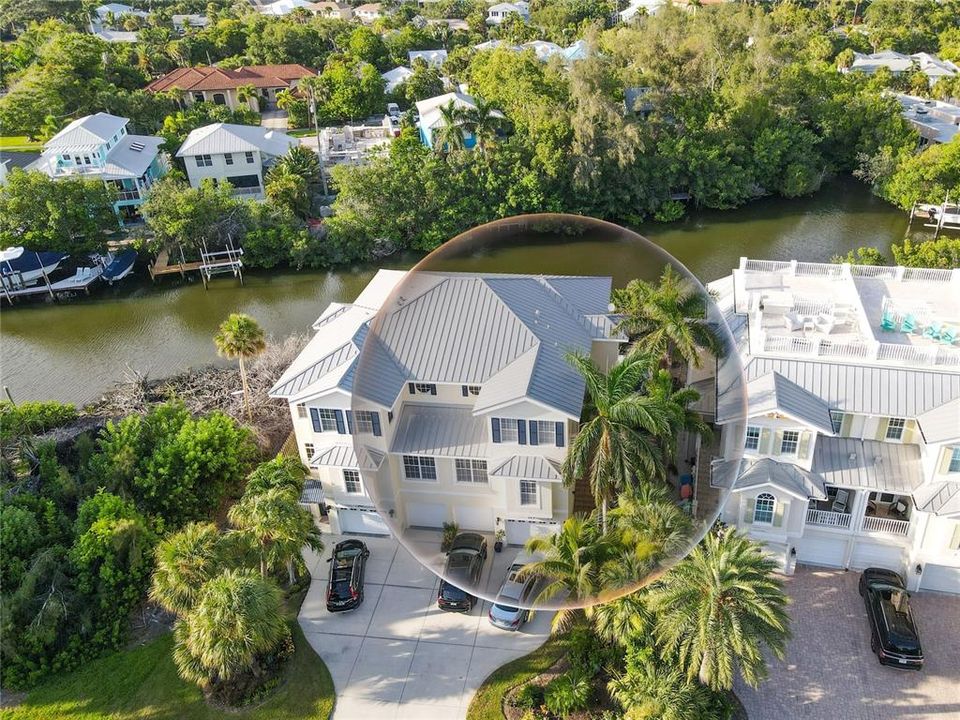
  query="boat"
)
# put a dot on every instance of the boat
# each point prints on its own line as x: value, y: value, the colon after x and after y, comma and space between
x: 119, y: 266
x: 21, y: 268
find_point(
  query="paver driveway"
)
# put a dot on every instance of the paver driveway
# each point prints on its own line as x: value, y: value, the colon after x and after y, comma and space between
x: 397, y: 656
x: 830, y: 673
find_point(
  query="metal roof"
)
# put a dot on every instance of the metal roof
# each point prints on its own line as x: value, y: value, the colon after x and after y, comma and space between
x: 344, y: 455
x: 868, y: 464
x: 305, y: 378
x: 775, y: 393
x: 91, y: 130
x: 941, y: 423
x: 940, y: 498
x: 528, y: 467
x: 439, y: 430
x: 312, y: 492
x: 786, y: 476
x: 220, y: 138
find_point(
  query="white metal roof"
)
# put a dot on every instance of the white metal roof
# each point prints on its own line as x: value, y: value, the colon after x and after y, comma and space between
x: 432, y: 57
x: 395, y: 77
x: 220, y: 138
x: 344, y: 455
x: 439, y: 430
x: 527, y: 467
x: 940, y: 498
x: 868, y: 464
x: 941, y: 423
x: 788, y: 477
x: 773, y: 392
x: 91, y: 131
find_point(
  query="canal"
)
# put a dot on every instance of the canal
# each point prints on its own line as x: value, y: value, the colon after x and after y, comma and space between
x: 73, y: 351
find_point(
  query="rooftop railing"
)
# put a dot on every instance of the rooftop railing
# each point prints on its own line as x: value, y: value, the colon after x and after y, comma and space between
x: 888, y: 353
x: 838, y: 271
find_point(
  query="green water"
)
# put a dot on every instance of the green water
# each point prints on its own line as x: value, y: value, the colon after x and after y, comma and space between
x: 73, y: 351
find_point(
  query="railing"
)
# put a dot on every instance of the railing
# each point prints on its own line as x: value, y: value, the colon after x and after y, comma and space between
x: 928, y: 275
x: 838, y: 271
x: 247, y: 191
x: 828, y: 270
x: 925, y: 356
x: 128, y: 195
x: 828, y: 519
x: 852, y: 349
x: 891, y: 526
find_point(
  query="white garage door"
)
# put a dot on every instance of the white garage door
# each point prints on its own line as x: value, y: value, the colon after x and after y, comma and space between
x: 941, y: 578
x: 368, y: 522
x: 871, y: 554
x: 428, y: 515
x: 821, y: 551
x: 474, y: 518
x: 519, y: 530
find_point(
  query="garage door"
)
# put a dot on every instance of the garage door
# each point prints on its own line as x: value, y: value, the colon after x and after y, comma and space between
x: 821, y: 551
x: 941, y: 578
x: 428, y: 515
x: 474, y: 518
x: 870, y: 554
x: 368, y: 522
x: 519, y: 530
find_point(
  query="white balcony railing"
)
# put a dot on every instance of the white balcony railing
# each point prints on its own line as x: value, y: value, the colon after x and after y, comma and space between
x: 890, y: 526
x: 828, y: 519
x: 128, y: 195
x: 247, y: 190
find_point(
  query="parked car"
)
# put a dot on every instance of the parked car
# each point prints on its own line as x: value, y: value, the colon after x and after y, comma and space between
x: 463, y: 569
x: 893, y: 633
x: 393, y: 110
x: 516, y: 590
x: 348, y: 562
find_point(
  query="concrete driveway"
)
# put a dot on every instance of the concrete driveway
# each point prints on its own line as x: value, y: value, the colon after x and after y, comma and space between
x: 830, y: 672
x: 397, y: 656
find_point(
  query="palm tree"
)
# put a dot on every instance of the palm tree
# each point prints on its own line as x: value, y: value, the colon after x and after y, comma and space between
x: 483, y: 121
x: 622, y: 620
x: 283, y: 472
x: 246, y: 93
x: 617, y: 444
x: 302, y: 161
x: 648, y: 515
x: 238, y: 618
x: 449, y: 136
x: 277, y: 525
x: 666, y: 318
x: 184, y: 561
x: 240, y: 337
x: 720, y: 608
x: 285, y: 188
x: 648, y: 691
x: 681, y: 418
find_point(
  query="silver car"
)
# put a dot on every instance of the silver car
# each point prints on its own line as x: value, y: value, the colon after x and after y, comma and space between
x: 505, y: 613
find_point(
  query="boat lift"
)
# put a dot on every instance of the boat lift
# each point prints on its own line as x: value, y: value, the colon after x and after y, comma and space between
x: 938, y: 218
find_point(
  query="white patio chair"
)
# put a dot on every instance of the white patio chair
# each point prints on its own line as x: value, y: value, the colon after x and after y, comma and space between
x: 792, y: 322
x: 825, y: 323
x: 840, y: 501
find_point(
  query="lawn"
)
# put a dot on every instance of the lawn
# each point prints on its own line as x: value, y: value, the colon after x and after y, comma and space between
x: 19, y: 143
x: 143, y: 683
x: 487, y: 704
x: 302, y: 132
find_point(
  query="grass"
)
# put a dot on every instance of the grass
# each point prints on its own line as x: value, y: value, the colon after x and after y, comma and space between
x: 487, y: 704
x: 302, y: 132
x: 19, y: 143
x: 143, y: 683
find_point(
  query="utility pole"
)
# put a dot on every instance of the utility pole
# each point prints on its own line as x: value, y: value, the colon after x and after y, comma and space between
x: 316, y: 127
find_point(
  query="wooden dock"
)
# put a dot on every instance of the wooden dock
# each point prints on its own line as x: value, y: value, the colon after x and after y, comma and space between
x: 211, y: 263
x: 939, y: 218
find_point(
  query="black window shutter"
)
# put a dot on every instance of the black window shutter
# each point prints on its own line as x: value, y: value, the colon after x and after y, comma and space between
x: 350, y: 421
x: 521, y: 431
x: 341, y: 428
x: 496, y: 429
x: 375, y: 419
x: 464, y: 391
x: 412, y: 388
x: 315, y: 419
x: 433, y: 389
x: 534, y: 437
x: 559, y: 434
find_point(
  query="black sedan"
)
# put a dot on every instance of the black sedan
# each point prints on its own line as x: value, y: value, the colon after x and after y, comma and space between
x: 893, y: 634
x: 463, y: 569
x: 345, y: 583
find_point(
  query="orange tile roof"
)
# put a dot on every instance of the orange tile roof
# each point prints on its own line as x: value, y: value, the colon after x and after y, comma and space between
x: 214, y: 78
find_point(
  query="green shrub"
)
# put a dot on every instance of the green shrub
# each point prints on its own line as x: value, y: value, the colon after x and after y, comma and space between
x: 29, y: 418
x: 568, y: 693
x: 528, y: 697
x: 670, y: 211
x: 450, y: 530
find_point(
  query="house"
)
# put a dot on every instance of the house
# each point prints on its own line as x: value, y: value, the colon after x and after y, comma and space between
x: 368, y: 12
x: 898, y: 63
x: 393, y: 78
x: 846, y: 451
x: 494, y: 44
x: 285, y: 7
x: 543, y: 49
x: 182, y: 23
x: 447, y: 398
x: 100, y: 147
x: 356, y: 142
x: 221, y: 85
x: 11, y: 160
x: 455, y: 24
x: 431, y: 57
x: 431, y: 118
x: 238, y: 154
x: 115, y: 36
x: 936, y: 121
x: 639, y: 8
x: 104, y: 14
x: 496, y: 14
x: 332, y: 10
x: 576, y: 51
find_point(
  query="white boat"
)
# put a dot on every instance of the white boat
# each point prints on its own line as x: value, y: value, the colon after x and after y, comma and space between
x: 21, y: 268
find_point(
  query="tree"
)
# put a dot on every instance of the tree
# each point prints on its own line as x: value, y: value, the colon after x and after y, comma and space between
x: 425, y: 82
x: 286, y: 189
x: 185, y: 561
x: 720, y: 609
x: 667, y: 318
x: 650, y: 690
x: 246, y: 93
x: 616, y: 445
x: 283, y: 472
x: 302, y: 161
x: 240, y: 337
x: 484, y: 121
x: 180, y: 214
x: 448, y: 137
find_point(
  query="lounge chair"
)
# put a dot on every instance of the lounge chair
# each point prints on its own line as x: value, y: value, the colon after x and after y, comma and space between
x: 932, y: 331
x: 948, y: 336
x: 825, y: 323
x: 887, y: 323
x: 840, y: 501
x: 908, y: 324
x: 792, y: 322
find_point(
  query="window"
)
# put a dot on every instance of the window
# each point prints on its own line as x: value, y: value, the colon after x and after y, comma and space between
x: 228, y: 158
x: 204, y: 161
x: 789, y: 443
x: 301, y: 410
x: 753, y: 439
x: 363, y: 421
x: 309, y: 450
x: 954, y: 461
x: 510, y: 430
x: 528, y: 493
x: 895, y: 428
x: 351, y: 481
x: 763, y: 510
x: 423, y: 389
x: 328, y: 420
x: 66, y: 158
x: 419, y: 468
x: 466, y: 390
x: 471, y: 471
x: 546, y: 432
x: 836, y: 420
x: 86, y: 159
x: 249, y: 158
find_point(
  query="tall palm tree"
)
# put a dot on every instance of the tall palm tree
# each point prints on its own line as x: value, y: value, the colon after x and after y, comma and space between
x: 720, y: 608
x: 283, y: 472
x: 238, y: 618
x: 677, y: 401
x: 449, y: 136
x: 246, y: 93
x: 621, y: 620
x: 618, y: 443
x: 240, y: 337
x: 667, y: 317
x: 648, y: 515
x: 483, y: 121
x: 184, y: 561
x: 302, y: 161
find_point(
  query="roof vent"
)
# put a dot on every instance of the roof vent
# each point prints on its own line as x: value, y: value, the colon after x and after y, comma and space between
x: 852, y: 457
x: 401, y: 300
x: 137, y: 146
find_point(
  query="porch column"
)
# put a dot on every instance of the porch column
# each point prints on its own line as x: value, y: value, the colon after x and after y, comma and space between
x: 859, y: 509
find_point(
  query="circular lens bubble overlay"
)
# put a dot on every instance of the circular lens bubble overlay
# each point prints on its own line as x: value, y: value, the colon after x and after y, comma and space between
x: 517, y: 389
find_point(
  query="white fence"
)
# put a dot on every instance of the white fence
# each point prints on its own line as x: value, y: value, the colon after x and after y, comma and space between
x: 828, y: 519
x: 891, y: 526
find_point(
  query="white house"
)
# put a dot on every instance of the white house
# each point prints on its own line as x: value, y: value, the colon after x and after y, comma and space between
x: 368, y: 12
x: 432, y: 57
x: 851, y: 454
x: 395, y: 77
x: 285, y: 7
x: 238, y: 154
x: 496, y: 14
x: 100, y: 147
x: 447, y: 398
x: 103, y: 13
x: 431, y: 117
x: 332, y: 10
x: 936, y: 121
x: 543, y: 49
x: 898, y: 63
x: 182, y: 23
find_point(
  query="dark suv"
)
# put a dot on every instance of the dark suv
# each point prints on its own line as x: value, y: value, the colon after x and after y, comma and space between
x: 463, y: 569
x: 893, y: 634
x: 345, y: 583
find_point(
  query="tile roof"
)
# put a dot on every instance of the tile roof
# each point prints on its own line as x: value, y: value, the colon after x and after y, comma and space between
x: 868, y: 464
x: 215, y: 78
x: 440, y: 430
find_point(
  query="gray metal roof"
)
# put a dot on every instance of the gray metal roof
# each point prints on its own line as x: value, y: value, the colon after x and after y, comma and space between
x: 786, y: 476
x: 864, y: 389
x: 527, y: 467
x: 312, y: 492
x: 344, y: 455
x: 89, y: 130
x: 439, y: 430
x: 775, y: 393
x: 940, y: 498
x: 220, y: 138
x: 868, y: 464
x: 941, y: 423
x: 317, y: 370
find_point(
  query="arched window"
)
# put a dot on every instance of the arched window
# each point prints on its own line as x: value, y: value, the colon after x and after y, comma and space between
x: 219, y: 99
x: 763, y: 510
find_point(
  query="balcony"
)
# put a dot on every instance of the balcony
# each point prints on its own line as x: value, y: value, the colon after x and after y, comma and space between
x: 826, y: 518
x: 890, y: 526
x: 128, y: 195
x: 246, y: 191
